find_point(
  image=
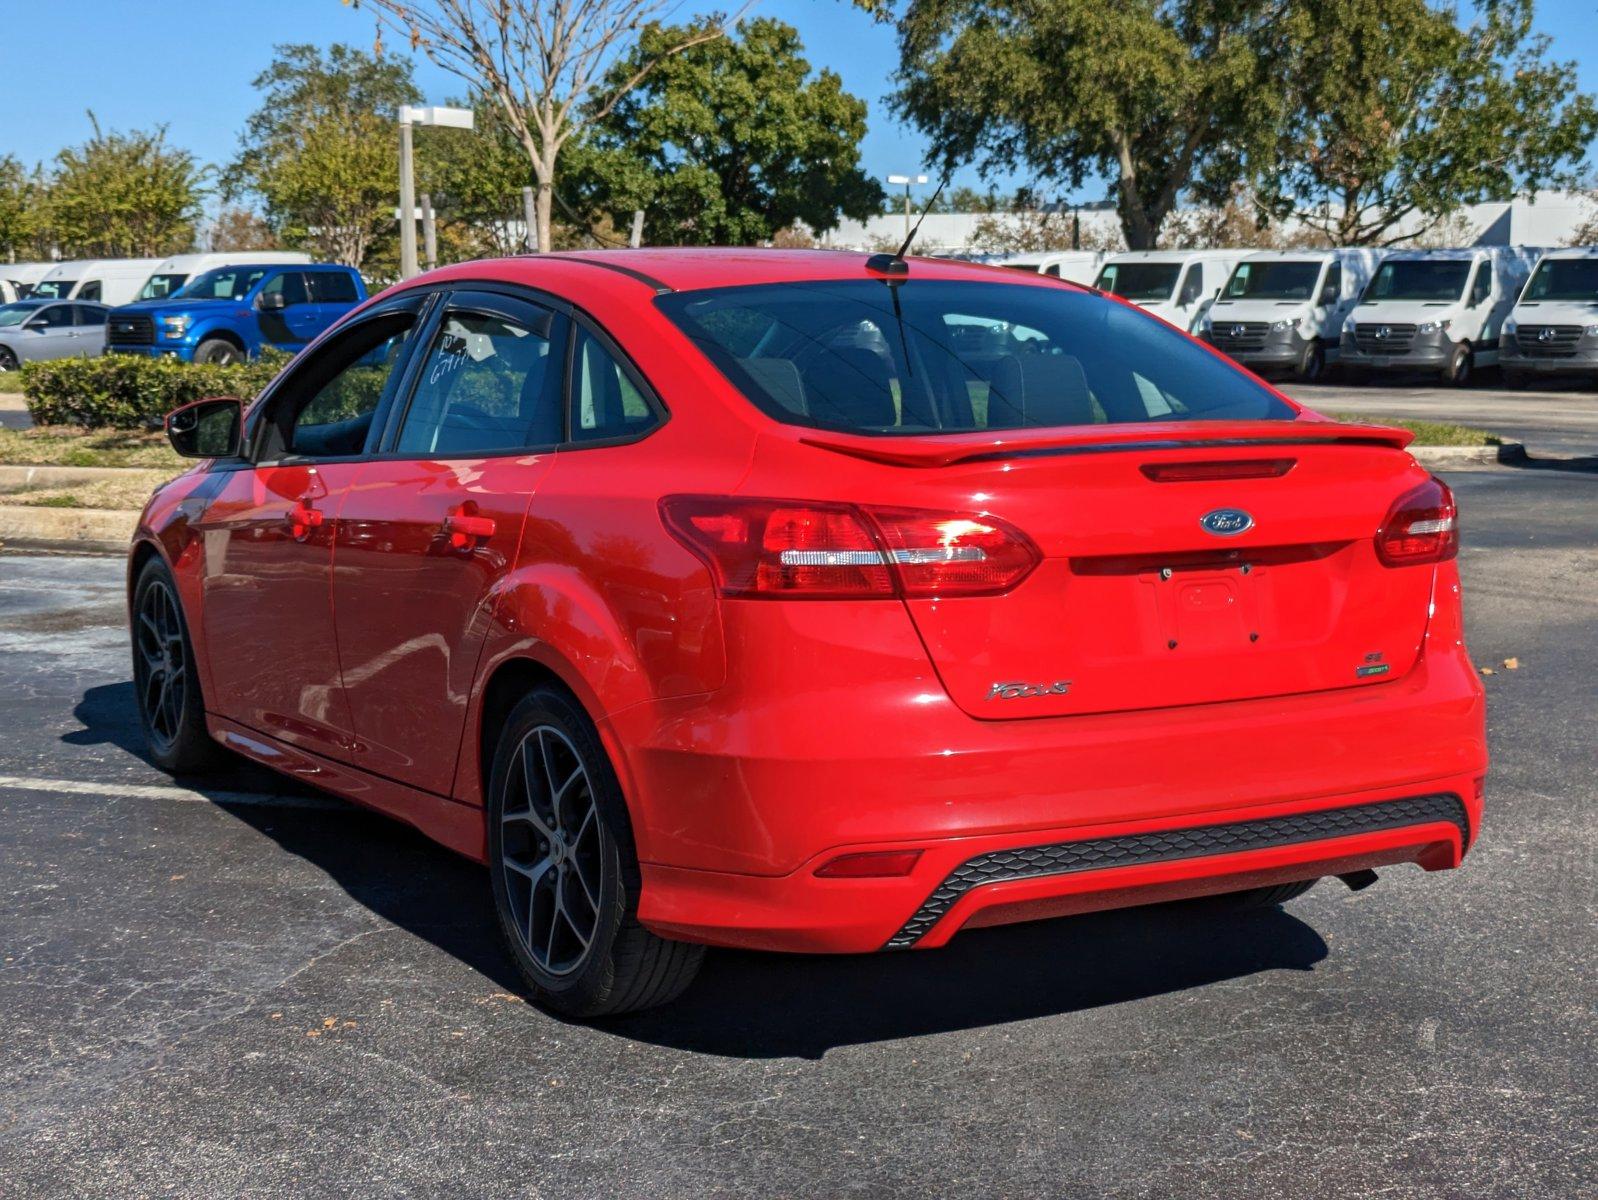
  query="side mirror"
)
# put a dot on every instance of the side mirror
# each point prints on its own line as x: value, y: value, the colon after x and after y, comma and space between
x: 273, y: 302
x: 36, y: 325
x: 211, y: 428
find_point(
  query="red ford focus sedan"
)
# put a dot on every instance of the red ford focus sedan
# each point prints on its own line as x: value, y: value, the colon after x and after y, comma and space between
x: 804, y: 601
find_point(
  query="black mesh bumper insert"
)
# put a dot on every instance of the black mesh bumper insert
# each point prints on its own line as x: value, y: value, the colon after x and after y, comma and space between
x: 1165, y: 845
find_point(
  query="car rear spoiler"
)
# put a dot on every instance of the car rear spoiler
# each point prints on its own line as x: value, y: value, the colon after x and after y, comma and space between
x: 947, y: 449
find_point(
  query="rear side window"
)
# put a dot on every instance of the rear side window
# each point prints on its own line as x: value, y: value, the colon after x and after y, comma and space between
x: 490, y: 384
x: 944, y: 355
x: 333, y: 287
x: 91, y: 314
x: 605, y: 401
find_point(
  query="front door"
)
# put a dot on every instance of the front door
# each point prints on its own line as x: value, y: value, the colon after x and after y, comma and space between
x: 49, y: 334
x: 297, y: 321
x: 434, y: 522
x: 268, y: 537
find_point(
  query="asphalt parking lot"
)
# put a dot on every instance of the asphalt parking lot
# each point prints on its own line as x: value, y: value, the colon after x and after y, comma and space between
x: 249, y: 990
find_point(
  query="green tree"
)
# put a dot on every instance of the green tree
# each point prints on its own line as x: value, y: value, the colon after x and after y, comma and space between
x: 321, y: 152
x: 1163, y: 98
x: 1399, y: 115
x: 124, y: 195
x: 475, y: 181
x: 731, y: 140
x: 16, y: 203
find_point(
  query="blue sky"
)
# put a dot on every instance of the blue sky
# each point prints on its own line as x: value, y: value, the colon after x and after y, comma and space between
x: 188, y: 64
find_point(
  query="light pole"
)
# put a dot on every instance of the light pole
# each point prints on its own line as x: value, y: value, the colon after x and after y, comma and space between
x: 451, y: 118
x: 906, y: 180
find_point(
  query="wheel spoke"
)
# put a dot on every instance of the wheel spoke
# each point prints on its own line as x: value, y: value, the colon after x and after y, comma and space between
x: 530, y: 814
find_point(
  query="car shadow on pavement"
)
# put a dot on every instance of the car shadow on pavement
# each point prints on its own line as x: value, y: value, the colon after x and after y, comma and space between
x: 753, y: 1005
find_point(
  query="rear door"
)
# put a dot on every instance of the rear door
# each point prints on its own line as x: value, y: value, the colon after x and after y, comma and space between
x: 267, y: 537
x: 435, y: 521
x: 90, y: 328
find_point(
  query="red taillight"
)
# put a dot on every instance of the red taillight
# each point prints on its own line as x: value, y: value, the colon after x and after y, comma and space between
x: 810, y: 550
x: 1422, y: 527
x: 1197, y: 472
x: 880, y: 864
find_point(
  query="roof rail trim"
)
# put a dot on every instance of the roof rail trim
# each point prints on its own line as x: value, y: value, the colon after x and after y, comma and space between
x: 661, y: 289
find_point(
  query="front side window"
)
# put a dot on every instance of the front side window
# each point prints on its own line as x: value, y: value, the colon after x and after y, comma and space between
x: 290, y: 285
x: 325, y: 409
x: 606, y: 403
x: 224, y: 283
x: 1565, y: 279
x: 57, y: 316
x: 1419, y: 279
x: 1484, y: 283
x: 90, y: 290
x: 489, y: 384
x: 1152, y: 281
x: 944, y: 356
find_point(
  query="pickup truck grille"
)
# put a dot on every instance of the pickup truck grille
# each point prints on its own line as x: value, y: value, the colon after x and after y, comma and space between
x: 1380, y: 337
x: 1233, y: 336
x: 130, y: 330
x: 1548, y: 341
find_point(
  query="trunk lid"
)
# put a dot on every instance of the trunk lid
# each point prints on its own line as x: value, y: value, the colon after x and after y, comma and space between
x: 1159, y: 590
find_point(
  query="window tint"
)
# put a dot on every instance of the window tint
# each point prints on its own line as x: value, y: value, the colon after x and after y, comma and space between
x: 89, y: 291
x: 605, y: 403
x: 333, y: 287
x: 934, y: 355
x: 224, y: 283
x: 1334, y: 282
x: 1192, y: 284
x: 489, y: 384
x: 91, y: 314
x: 291, y: 284
x: 334, y: 396
x: 1139, y: 280
x: 57, y: 316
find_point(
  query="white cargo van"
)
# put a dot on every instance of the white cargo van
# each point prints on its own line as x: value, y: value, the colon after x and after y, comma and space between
x: 1553, y: 328
x: 1178, y: 285
x: 1286, y: 308
x: 172, y: 273
x: 110, y: 281
x: 1435, y: 310
x: 1079, y: 266
x: 21, y: 277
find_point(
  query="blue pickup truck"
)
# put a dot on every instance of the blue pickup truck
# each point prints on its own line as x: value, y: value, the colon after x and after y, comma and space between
x: 235, y: 312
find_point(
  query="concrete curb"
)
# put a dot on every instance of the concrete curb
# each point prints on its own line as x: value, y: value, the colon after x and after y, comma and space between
x: 21, y: 476
x: 1460, y: 456
x: 80, y: 530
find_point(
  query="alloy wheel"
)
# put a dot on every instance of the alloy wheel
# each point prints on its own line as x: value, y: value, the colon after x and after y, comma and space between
x: 162, y: 662
x: 550, y: 851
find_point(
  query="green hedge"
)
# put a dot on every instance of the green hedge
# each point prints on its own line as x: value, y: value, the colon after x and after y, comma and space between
x: 129, y: 391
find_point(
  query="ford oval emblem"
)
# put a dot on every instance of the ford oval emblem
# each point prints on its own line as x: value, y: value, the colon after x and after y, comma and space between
x: 1226, y: 522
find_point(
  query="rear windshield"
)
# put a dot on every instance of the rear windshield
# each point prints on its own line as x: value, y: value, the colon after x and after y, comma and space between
x: 1139, y: 281
x: 1564, y: 279
x: 1419, y: 279
x: 936, y: 355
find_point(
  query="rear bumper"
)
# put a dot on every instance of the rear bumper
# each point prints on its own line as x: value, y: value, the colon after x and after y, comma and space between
x: 962, y: 883
x: 738, y: 797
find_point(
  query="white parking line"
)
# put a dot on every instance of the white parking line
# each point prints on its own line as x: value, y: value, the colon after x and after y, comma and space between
x: 139, y: 791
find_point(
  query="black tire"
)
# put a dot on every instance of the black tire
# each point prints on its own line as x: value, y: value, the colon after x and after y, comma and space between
x: 1460, y: 364
x: 219, y: 351
x: 8, y: 359
x: 1255, y: 898
x: 166, y: 685
x: 553, y: 883
x: 1311, y: 363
